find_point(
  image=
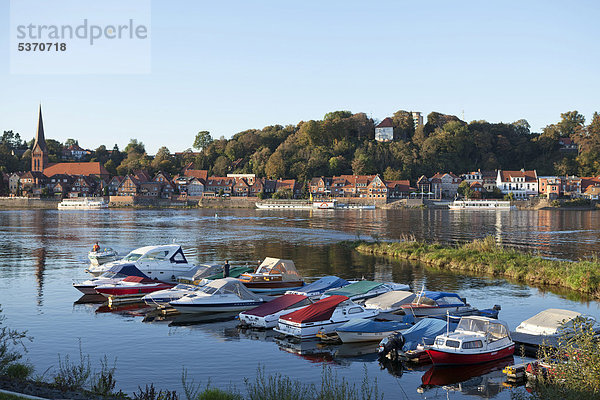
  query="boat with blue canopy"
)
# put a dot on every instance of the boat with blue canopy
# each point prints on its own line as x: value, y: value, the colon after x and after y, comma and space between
x: 368, y: 330
x: 115, y: 274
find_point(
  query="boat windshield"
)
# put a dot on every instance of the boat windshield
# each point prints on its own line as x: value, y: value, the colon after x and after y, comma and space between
x: 208, y: 289
x: 158, y: 255
x: 132, y: 256
x: 472, y: 325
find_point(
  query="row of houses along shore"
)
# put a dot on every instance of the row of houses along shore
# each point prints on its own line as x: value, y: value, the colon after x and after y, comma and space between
x: 85, y: 179
x: 91, y: 179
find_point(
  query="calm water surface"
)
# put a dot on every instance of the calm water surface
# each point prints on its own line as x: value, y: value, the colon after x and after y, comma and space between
x: 41, y: 252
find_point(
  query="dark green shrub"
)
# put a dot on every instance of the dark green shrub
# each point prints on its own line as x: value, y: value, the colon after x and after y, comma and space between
x: 19, y: 371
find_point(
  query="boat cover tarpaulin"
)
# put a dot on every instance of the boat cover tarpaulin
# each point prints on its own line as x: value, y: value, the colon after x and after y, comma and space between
x: 390, y: 300
x: 279, y: 304
x: 229, y: 285
x: 323, y: 284
x: 438, y: 295
x: 206, y: 270
x: 355, y: 289
x: 369, y: 326
x: 127, y: 269
x: 278, y: 266
x: 424, y: 331
x: 139, y: 279
x: 319, y: 311
x: 548, y: 322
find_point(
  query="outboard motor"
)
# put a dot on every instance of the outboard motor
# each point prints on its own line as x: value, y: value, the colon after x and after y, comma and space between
x: 391, y: 344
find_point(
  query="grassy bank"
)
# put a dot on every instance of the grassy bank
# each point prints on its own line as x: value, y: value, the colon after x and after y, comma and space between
x: 486, y: 257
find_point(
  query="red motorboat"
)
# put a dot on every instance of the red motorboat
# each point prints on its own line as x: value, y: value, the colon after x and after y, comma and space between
x: 475, y: 340
x: 132, y: 286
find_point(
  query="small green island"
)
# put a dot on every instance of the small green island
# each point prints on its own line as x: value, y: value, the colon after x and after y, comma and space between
x: 485, y: 256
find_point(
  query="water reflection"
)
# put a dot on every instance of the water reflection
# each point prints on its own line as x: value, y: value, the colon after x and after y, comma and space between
x: 483, y: 380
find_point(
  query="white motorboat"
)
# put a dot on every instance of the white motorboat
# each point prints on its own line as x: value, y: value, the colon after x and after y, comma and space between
x: 132, y: 287
x: 475, y: 340
x: 365, y: 289
x: 273, y: 276
x: 83, y: 203
x: 102, y: 256
x: 554, y: 322
x: 267, y: 315
x: 157, y: 262
x: 368, y: 330
x: 116, y: 274
x: 323, y: 316
x: 164, y: 297
x: 390, y: 301
x: 220, y: 295
x: 430, y: 303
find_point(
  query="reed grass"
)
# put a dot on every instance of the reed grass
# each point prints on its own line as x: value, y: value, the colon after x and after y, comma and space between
x: 485, y: 256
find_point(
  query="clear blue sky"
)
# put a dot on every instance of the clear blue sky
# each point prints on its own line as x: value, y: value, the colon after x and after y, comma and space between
x: 234, y: 65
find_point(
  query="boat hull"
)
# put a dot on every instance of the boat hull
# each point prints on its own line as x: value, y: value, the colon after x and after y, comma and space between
x: 86, y: 289
x: 130, y: 291
x: 215, y: 308
x: 356, y: 337
x: 439, y: 357
x: 266, y: 322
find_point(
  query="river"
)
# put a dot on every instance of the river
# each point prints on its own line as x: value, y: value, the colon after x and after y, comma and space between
x: 42, y: 251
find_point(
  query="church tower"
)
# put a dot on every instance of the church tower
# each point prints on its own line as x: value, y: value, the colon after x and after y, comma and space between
x: 39, y: 153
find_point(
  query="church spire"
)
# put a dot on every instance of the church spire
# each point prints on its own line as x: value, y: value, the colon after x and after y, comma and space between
x: 39, y: 136
x: 39, y: 153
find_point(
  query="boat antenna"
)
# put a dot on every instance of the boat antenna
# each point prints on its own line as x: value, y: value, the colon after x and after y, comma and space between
x: 447, y: 322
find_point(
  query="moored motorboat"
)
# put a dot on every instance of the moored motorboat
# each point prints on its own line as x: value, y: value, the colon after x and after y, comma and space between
x: 320, y: 286
x: 272, y: 276
x: 220, y: 295
x: 365, y: 289
x: 547, y: 326
x: 391, y: 301
x: 324, y: 315
x: 164, y: 297
x: 116, y: 274
x: 157, y: 262
x: 475, y: 340
x: 132, y: 286
x: 369, y: 330
x: 266, y: 315
x: 428, y: 303
x: 103, y: 256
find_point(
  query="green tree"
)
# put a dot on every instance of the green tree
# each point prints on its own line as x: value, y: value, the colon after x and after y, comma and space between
x: 71, y: 142
x: 162, y: 160
x: 275, y: 167
x: 202, y: 140
x: 404, y: 125
x: 464, y: 189
x: 101, y: 154
x: 135, y: 147
x: 221, y: 166
x: 337, y: 115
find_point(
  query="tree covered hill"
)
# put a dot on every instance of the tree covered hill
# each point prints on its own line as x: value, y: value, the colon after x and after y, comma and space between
x: 343, y: 143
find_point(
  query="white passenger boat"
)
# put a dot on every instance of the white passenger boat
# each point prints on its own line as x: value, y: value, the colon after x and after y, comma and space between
x: 157, y: 262
x: 83, y: 203
x: 323, y: 316
x: 220, y: 295
x: 481, y: 205
x: 292, y: 205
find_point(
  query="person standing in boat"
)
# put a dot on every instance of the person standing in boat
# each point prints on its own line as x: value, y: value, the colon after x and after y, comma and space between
x: 96, y: 247
x: 226, y: 269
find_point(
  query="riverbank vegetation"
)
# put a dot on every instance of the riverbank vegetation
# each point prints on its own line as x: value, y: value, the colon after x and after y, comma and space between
x: 485, y: 256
